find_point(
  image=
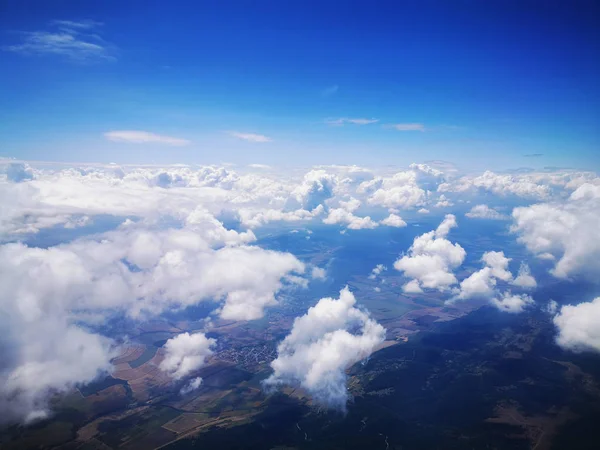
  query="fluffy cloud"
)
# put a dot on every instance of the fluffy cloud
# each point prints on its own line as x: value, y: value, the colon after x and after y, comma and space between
x: 345, y: 215
x: 512, y: 303
x: 43, y: 354
x: 578, y: 326
x: 485, y: 212
x: 403, y: 190
x: 135, y: 270
x: 193, y: 384
x: 342, y: 216
x: 332, y: 336
x: 318, y: 273
x: 393, y: 220
x: 18, y: 171
x: 431, y: 259
x: 524, y: 278
x: 506, y: 184
x: 566, y: 232
x: 317, y: 186
x: 483, y: 282
x: 377, y: 270
x: 143, y: 137
x: 186, y: 353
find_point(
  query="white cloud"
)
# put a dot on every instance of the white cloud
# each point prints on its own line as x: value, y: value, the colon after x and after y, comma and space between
x: 316, y: 187
x: 342, y: 216
x: 344, y: 120
x: 512, y: 303
x: 143, y: 137
x: 75, y: 41
x: 443, y: 202
x: 526, y: 186
x: 43, y: 354
x: 402, y: 190
x: 431, y: 259
x: 186, y: 353
x: 393, y: 220
x: 377, y: 270
x: 318, y: 273
x: 566, y: 232
x: 524, y: 278
x: 552, y: 307
x: 407, y: 126
x: 18, y: 171
x: 135, y: 270
x: 485, y: 212
x: 251, y: 137
x: 482, y: 284
x: 578, y: 327
x: 423, y: 211
x: 332, y: 336
x: 194, y: 384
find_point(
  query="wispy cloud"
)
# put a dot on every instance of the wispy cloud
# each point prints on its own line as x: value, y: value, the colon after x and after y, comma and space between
x: 79, y: 24
x: 77, y: 41
x: 260, y: 166
x: 251, y: 137
x: 143, y: 137
x: 533, y: 155
x: 344, y: 120
x: 331, y: 90
x: 407, y: 126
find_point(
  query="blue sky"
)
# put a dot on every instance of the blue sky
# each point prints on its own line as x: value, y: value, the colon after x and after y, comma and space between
x: 481, y: 84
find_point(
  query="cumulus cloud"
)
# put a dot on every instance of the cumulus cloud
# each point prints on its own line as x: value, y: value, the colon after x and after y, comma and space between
x: 393, y: 220
x: 524, y: 278
x: 43, y: 354
x: 566, y: 232
x: 316, y: 187
x: 318, y: 273
x: 251, y: 137
x: 499, y: 184
x: 512, y: 303
x: 431, y: 259
x: 143, y: 137
x: 344, y: 217
x: 377, y: 270
x: 577, y: 325
x: 483, y: 282
x: 332, y: 336
x: 186, y: 353
x: 485, y: 212
x: 193, y: 384
x: 18, y: 171
x: 136, y: 270
x: 403, y: 190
